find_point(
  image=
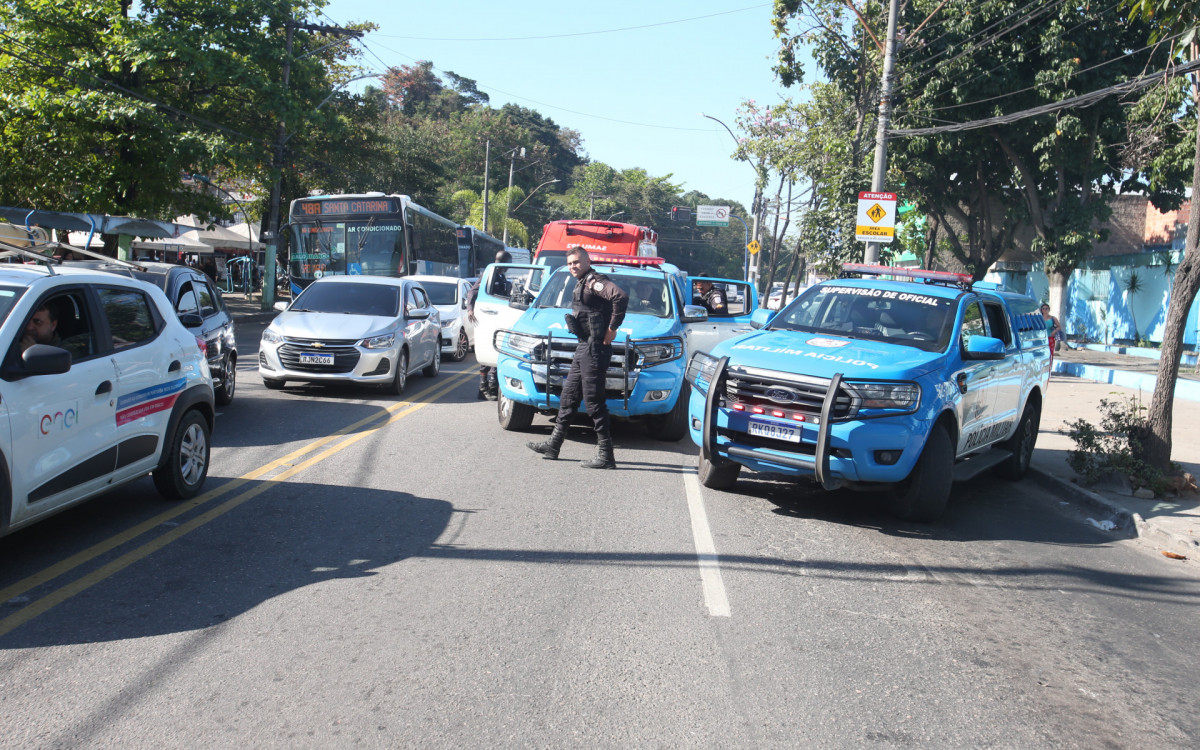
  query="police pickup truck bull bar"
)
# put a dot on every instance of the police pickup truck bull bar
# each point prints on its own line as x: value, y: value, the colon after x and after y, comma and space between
x: 820, y: 460
x: 501, y: 342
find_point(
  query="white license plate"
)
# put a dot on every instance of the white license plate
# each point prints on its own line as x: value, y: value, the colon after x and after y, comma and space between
x: 774, y: 430
x: 313, y: 358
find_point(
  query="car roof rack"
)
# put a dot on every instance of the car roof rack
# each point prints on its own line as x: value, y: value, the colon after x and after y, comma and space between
x: 949, y: 278
x: 37, y: 253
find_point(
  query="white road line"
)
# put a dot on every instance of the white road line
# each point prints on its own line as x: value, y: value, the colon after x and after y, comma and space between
x: 706, y: 551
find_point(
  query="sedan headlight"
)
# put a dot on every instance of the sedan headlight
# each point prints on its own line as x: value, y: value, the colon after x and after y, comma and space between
x: 657, y: 351
x: 272, y: 337
x: 379, y: 342
x: 902, y: 397
x: 700, y: 371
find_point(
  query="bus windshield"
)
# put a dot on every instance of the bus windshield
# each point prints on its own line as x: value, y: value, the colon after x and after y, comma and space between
x: 366, y: 248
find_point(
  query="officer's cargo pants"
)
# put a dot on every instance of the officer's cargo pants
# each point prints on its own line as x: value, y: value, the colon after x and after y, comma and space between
x: 585, y: 381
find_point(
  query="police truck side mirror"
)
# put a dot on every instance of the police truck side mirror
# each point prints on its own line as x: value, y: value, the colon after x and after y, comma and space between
x: 984, y: 347
x: 761, y: 317
x: 694, y: 314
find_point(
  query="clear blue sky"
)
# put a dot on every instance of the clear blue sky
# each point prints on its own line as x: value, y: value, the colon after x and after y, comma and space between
x: 634, y: 95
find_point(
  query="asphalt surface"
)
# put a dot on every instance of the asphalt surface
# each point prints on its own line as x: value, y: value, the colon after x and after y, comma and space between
x: 389, y: 572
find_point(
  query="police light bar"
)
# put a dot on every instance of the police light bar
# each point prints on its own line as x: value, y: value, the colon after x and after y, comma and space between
x: 907, y: 273
x: 626, y: 260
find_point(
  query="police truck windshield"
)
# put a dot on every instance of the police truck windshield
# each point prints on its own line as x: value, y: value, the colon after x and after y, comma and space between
x: 910, y: 319
x: 647, y: 295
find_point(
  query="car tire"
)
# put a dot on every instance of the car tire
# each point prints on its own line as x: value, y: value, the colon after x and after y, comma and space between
x: 184, y: 465
x: 672, y: 426
x: 1021, y: 444
x: 461, y: 347
x: 224, y: 394
x: 514, y: 416
x: 718, y: 477
x: 923, y: 495
x: 273, y: 384
x: 400, y: 379
x: 435, y: 365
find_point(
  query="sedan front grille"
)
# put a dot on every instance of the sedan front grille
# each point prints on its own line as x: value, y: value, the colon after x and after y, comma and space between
x: 345, y: 357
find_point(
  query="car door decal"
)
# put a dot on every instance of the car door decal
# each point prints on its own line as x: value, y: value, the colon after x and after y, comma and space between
x: 135, y: 449
x: 148, y: 401
x: 95, y: 467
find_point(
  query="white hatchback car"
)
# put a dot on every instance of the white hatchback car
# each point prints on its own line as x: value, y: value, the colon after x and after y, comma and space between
x: 449, y: 295
x: 100, y: 384
x: 353, y: 329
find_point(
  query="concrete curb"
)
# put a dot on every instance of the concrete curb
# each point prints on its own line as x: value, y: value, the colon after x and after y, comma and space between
x: 1131, y: 523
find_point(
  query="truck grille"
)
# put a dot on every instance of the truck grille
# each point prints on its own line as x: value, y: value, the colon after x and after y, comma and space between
x: 798, y: 393
x: 563, y: 351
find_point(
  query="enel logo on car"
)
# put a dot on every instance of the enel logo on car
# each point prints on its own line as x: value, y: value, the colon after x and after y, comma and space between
x: 58, y: 421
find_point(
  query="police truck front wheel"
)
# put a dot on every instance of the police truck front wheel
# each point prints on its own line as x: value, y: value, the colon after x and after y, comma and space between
x: 514, y: 417
x: 718, y: 476
x: 184, y: 465
x: 673, y: 425
x: 923, y: 495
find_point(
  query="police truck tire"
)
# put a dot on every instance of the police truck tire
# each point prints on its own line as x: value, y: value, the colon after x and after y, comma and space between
x: 224, y: 394
x: 400, y: 379
x: 435, y: 365
x: 1021, y: 444
x: 513, y: 416
x: 923, y: 495
x: 273, y: 384
x: 184, y: 465
x: 718, y: 477
x: 461, y: 347
x: 673, y: 425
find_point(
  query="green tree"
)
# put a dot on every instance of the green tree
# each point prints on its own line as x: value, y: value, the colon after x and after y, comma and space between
x: 1177, y: 21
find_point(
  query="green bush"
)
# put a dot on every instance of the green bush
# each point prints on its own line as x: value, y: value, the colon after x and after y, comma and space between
x: 1115, y: 446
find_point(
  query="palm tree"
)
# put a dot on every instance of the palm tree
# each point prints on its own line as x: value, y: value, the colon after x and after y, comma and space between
x: 468, y: 205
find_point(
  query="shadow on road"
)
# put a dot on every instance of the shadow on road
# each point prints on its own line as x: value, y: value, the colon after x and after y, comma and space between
x: 229, y: 565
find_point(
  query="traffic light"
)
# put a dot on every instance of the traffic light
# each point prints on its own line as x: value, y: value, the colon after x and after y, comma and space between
x: 681, y: 214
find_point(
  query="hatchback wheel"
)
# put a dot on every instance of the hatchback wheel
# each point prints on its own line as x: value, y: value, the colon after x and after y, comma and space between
x: 184, y: 465
x: 396, y: 387
x: 461, y: 347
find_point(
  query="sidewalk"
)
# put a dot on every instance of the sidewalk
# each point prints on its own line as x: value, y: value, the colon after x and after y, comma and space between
x: 241, y: 308
x: 1171, y: 524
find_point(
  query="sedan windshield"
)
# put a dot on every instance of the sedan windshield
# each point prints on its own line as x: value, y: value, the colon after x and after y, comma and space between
x: 907, y: 318
x: 351, y: 299
x: 647, y: 295
x: 441, y: 292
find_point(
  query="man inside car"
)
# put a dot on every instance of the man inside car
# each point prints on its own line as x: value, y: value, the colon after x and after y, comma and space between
x: 41, y: 329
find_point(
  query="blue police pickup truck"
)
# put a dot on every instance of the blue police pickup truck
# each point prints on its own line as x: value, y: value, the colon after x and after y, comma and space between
x: 905, y: 384
x: 645, y: 378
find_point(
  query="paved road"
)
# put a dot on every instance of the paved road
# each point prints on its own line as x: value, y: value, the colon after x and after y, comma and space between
x: 379, y: 572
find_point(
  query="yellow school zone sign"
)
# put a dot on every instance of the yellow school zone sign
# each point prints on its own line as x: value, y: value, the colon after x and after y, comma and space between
x: 876, y: 217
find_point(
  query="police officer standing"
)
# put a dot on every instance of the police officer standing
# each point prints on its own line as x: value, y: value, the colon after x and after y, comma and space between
x: 597, y: 309
x: 488, y: 387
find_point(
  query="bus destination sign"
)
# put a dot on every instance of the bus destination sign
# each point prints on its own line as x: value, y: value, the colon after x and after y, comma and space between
x: 343, y: 207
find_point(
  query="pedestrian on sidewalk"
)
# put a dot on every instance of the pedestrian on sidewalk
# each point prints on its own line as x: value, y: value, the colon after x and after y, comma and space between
x: 1053, y: 330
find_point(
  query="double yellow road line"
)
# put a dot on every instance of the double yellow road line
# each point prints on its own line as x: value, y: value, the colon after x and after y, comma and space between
x: 291, y: 464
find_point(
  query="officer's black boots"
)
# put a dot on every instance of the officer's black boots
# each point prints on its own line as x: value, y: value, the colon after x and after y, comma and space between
x: 549, y: 448
x: 604, y: 454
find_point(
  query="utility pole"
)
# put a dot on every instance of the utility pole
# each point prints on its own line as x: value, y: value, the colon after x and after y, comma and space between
x: 272, y: 234
x: 592, y: 204
x: 487, y: 160
x: 508, y: 195
x: 879, y: 174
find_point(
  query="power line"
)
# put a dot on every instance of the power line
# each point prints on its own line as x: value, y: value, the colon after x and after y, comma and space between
x: 1083, y: 100
x: 572, y: 34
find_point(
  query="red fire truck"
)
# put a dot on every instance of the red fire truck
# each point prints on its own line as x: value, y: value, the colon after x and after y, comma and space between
x: 610, y: 237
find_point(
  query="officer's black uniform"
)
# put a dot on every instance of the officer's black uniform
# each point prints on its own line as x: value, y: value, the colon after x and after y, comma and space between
x: 598, y: 305
x: 714, y: 300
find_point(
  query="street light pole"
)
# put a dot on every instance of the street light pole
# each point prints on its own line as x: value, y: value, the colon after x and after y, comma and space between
x: 751, y: 270
x: 512, y: 162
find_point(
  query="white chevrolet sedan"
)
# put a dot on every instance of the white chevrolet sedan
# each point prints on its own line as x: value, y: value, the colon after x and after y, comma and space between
x: 449, y: 295
x: 353, y: 329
